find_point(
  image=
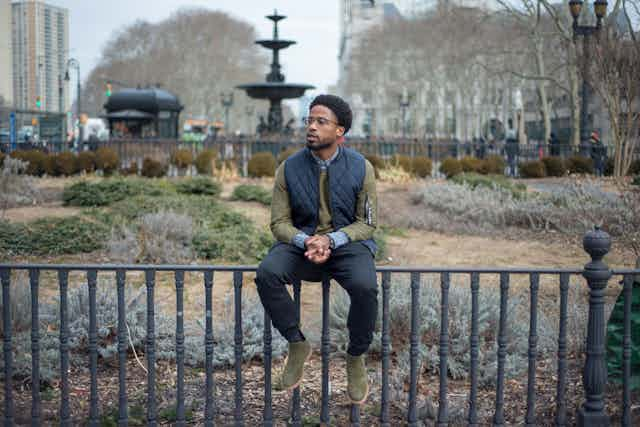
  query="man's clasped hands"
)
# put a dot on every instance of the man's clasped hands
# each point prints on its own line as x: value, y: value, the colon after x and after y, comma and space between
x: 318, y: 248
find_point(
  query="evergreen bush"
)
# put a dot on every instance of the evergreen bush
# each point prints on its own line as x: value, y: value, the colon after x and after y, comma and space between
x: 199, y: 185
x: 252, y: 193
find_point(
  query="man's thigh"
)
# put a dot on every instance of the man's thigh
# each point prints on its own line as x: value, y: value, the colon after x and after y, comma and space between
x: 353, y: 266
x: 289, y: 263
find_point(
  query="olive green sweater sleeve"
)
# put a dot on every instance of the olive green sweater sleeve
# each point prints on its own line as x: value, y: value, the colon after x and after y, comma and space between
x: 366, y: 209
x: 281, y: 223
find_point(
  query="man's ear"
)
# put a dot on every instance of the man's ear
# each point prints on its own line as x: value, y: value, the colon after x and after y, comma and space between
x: 340, y: 131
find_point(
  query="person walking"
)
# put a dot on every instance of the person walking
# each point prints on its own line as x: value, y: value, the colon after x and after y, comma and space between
x: 323, y: 215
x: 598, y: 153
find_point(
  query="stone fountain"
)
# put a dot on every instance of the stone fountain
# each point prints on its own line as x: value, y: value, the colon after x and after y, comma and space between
x: 275, y: 89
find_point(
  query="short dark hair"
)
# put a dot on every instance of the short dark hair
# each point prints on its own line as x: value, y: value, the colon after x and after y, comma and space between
x: 339, y: 107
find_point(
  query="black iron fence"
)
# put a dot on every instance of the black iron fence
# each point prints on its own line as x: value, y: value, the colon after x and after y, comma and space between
x: 593, y: 411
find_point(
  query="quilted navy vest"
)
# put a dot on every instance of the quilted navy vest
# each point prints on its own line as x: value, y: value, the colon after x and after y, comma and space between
x: 345, y: 177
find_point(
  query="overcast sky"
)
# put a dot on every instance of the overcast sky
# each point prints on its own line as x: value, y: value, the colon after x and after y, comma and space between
x: 313, y: 24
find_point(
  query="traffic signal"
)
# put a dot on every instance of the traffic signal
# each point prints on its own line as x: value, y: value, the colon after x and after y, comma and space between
x: 38, y: 102
x: 108, y: 90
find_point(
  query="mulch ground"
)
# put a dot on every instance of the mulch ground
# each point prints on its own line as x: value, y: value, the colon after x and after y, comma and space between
x: 253, y: 391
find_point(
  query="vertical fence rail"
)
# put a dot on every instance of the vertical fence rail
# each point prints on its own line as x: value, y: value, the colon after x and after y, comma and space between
x: 386, y: 350
x: 626, y: 352
x: 65, y: 415
x: 414, y: 350
x: 498, y: 418
x: 5, y: 278
x: 443, y: 410
x: 530, y: 419
x: 237, y: 293
x: 34, y: 276
x: 150, y: 348
x: 267, y: 413
x: 208, y: 349
x: 324, y: 351
x: 474, y: 341
x: 561, y: 406
x: 296, y: 417
x: 180, y: 411
x: 92, y: 278
x: 122, y: 349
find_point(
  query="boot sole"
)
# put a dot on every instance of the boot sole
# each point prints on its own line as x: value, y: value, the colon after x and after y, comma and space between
x: 360, y: 402
x: 301, y: 378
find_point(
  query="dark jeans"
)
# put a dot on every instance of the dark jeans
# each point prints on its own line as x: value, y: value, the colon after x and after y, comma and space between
x: 351, y: 265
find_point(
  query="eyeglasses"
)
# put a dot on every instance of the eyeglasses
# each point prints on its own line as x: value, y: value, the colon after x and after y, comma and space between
x: 321, y: 121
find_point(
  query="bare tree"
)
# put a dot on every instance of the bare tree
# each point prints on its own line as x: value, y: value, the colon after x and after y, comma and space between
x: 616, y: 68
x: 195, y: 53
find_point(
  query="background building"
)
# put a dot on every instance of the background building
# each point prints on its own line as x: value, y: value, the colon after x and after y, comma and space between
x: 6, y: 56
x: 40, y: 34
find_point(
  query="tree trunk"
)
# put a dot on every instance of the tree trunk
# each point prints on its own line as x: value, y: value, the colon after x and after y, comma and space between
x: 542, y: 90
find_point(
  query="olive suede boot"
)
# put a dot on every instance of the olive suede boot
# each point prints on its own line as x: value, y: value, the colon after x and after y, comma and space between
x: 291, y: 375
x: 357, y: 384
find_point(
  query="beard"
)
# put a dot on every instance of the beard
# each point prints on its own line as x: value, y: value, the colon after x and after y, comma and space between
x: 319, y: 146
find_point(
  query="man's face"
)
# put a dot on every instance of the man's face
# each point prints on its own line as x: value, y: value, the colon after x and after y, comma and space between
x: 323, y: 130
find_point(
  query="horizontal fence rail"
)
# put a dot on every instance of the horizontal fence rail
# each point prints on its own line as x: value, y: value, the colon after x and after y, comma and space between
x: 592, y: 412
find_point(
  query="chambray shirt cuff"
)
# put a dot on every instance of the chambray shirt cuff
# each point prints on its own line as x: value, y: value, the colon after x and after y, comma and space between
x: 299, y: 239
x: 340, y: 238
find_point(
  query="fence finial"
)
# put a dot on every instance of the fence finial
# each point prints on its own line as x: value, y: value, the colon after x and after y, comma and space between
x: 594, y: 377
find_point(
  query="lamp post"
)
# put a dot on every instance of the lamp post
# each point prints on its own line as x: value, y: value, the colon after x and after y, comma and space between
x: 249, y: 109
x: 227, y: 102
x: 73, y: 63
x: 586, y: 31
x: 405, y: 103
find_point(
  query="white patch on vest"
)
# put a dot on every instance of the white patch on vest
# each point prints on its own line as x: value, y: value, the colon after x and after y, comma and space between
x: 367, y: 211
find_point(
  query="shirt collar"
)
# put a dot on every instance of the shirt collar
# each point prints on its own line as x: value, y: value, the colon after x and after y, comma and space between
x: 325, y: 163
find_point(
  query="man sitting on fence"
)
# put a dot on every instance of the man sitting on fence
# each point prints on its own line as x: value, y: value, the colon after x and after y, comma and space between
x: 323, y: 215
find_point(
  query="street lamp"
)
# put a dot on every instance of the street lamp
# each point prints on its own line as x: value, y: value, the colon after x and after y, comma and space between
x: 586, y: 31
x: 405, y: 103
x: 73, y: 63
x: 227, y: 102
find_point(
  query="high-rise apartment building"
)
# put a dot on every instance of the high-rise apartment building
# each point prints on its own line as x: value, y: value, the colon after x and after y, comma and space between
x: 40, y: 51
x: 6, y: 61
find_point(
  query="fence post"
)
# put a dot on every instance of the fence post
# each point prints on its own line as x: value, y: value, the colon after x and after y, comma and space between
x: 594, y: 376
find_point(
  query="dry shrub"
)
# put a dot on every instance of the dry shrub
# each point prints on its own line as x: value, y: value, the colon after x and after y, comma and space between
x: 34, y: 158
x: 132, y: 169
x: 493, y: 165
x: 395, y: 175
x: 16, y: 188
x: 554, y: 166
x: 580, y: 164
x: 107, y: 160
x: 403, y: 162
x: 152, y: 168
x: 86, y: 161
x: 285, y: 154
x: 532, y: 169
x: 450, y: 167
x: 262, y: 164
x: 227, y: 171
x: 205, y: 162
x: 421, y: 166
x: 471, y: 164
x: 66, y: 164
x: 182, y: 158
